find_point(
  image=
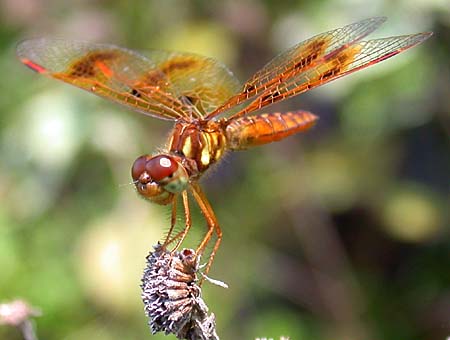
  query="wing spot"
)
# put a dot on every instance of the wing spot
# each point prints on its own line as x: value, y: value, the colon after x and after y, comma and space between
x: 313, y: 50
x: 329, y: 73
x: 153, y: 78
x: 87, y: 67
x: 135, y: 93
x: 180, y: 64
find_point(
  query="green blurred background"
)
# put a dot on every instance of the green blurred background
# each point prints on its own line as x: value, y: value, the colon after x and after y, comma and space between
x: 339, y: 233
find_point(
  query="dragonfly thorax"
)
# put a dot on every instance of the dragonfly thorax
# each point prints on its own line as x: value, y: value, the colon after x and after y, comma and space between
x: 200, y: 143
x: 159, y: 177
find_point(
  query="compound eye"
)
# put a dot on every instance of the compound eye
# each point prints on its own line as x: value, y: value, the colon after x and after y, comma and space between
x: 139, y: 166
x: 161, y: 167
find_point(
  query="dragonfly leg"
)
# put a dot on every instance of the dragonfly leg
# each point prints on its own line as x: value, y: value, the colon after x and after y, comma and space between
x: 182, y: 234
x: 187, y: 217
x: 173, y: 221
x: 213, y: 226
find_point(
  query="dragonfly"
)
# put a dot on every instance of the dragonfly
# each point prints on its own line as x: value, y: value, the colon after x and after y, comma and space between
x: 211, y: 111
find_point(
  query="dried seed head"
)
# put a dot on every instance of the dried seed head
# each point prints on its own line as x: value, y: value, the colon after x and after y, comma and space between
x: 172, y: 298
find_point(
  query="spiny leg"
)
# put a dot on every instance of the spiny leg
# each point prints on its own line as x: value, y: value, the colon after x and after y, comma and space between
x: 173, y: 221
x: 212, y: 224
x: 176, y: 237
x: 187, y: 217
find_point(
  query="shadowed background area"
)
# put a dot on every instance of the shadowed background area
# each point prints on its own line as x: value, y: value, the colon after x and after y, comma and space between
x: 338, y: 233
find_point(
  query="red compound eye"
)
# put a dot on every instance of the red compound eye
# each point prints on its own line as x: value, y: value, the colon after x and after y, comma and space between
x: 160, y: 167
x: 139, y: 166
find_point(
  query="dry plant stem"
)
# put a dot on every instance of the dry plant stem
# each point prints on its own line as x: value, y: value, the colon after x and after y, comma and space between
x: 27, y: 330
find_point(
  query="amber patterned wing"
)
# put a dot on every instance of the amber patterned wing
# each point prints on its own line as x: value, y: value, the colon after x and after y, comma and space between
x: 355, y: 57
x: 204, y: 82
x: 154, y: 85
x: 301, y: 57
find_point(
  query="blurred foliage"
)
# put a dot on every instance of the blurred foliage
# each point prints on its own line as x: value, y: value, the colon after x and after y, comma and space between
x: 340, y: 233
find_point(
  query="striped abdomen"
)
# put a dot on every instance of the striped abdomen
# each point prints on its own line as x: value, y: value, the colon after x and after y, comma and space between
x: 261, y: 129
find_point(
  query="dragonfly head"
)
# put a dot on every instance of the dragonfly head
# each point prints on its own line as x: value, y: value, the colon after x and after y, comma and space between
x: 158, y: 178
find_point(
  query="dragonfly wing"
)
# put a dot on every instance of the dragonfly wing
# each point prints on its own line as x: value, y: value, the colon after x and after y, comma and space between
x: 351, y: 59
x: 301, y: 57
x: 118, y: 74
x: 205, y: 82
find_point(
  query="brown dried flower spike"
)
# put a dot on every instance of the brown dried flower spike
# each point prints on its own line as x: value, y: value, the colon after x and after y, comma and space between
x: 172, y: 298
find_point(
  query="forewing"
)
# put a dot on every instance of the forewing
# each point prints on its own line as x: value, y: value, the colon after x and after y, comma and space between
x: 109, y: 71
x: 301, y: 57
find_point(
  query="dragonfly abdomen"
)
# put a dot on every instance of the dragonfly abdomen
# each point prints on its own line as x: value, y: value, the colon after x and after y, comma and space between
x: 266, y: 128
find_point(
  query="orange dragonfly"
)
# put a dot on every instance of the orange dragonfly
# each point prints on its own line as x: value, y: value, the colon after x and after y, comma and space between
x: 209, y: 108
